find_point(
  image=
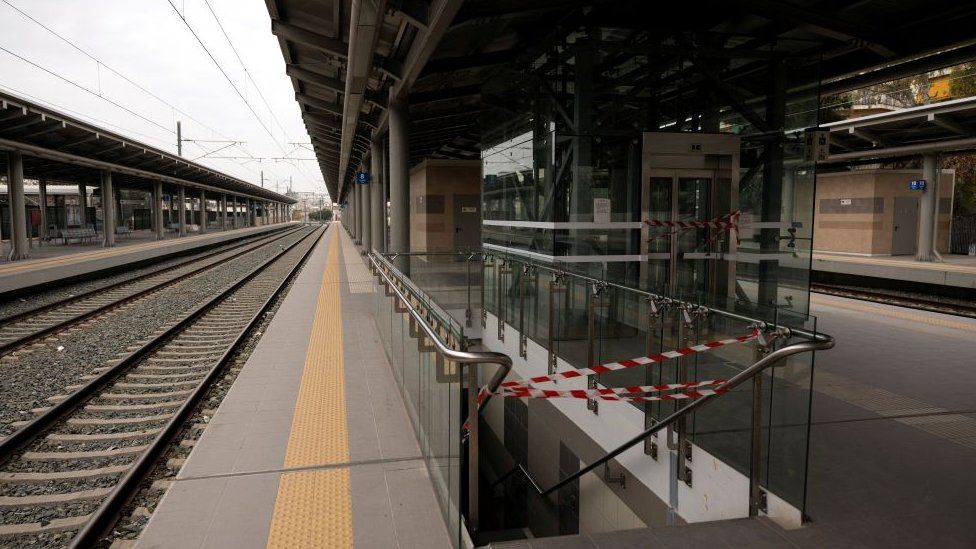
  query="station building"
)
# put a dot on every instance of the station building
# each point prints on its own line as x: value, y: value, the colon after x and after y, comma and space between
x: 649, y: 180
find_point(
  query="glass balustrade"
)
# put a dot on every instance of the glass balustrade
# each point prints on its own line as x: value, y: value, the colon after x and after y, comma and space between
x: 581, y: 321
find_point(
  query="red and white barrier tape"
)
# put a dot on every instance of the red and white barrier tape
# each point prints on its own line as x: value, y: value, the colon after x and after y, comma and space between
x: 674, y: 396
x: 729, y: 221
x: 522, y: 388
x: 632, y: 363
x: 532, y: 392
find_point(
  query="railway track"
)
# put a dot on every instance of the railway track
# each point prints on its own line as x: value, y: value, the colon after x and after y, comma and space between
x: 25, y: 328
x: 911, y: 301
x: 66, y: 474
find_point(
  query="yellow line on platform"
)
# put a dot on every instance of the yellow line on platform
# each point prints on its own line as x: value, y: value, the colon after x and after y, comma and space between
x: 78, y: 257
x: 314, y: 508
x: 891, y: 312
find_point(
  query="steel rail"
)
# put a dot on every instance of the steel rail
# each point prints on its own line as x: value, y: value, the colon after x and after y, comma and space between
x: 30, y: 431
x: 44, y: 332
x: 108, y: 512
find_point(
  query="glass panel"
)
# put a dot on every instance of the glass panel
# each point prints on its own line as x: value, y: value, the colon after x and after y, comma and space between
x: 431, y: 392
x: 693, y: 198
x: 658, y: 243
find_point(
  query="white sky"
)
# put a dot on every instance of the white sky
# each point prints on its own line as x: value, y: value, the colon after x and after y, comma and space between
x: 148, y: 42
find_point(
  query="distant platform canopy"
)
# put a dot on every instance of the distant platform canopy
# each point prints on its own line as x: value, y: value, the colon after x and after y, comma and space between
x: 63, y: 149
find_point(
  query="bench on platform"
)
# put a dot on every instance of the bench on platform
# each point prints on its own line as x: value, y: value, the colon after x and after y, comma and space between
x: 87, y: 234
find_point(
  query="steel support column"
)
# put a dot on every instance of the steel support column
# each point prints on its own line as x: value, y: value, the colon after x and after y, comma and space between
x: 203, y: 211
x: 927, y: 205
x: 772, y: 188
x: 399, y: 167
x: 376, y: 237
x: 108, y: 209
x: 157, y: 200
x: 181, y: 209
x: 223, y: 212
x: 18, y: 206
x: 367, y: 230
x: 83, y: 203
x: 42, y: 201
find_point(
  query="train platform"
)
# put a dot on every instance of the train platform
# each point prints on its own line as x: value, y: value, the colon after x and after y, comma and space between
x: 312, y: 446
x: 74, y: 262
x: 956, y: 270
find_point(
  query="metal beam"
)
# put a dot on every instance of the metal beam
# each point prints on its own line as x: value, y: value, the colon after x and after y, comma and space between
x: 365, y: 23
x: 315, y: 78
x: 946, y: 122
x: 308, y: 38
x: 827, y: 25
x: 867, y: 135
x: 316, y: 103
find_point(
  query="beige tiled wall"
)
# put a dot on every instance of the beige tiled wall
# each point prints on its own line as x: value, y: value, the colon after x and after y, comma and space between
x: 871, y: 233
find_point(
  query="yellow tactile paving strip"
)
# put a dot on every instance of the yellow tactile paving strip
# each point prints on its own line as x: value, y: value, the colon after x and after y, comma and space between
x: 314, y: 508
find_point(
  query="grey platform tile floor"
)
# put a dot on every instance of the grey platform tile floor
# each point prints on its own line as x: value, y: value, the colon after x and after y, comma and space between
x: 379, y: 429
x: 225, y: 494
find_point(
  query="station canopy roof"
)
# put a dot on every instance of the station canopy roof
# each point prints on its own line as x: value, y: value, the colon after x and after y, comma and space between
x: 347, y: 59
x: 63, y: 149
x: 945, y: 126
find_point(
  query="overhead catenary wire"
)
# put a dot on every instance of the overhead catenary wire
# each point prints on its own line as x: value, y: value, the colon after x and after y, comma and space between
x: 109, y: 68
x: 81, y: 87
x: 101, y: 64
x: 224, y: 73
x: 246, y: 71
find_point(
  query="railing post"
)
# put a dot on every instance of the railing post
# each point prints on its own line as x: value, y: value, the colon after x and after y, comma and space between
x: 757, y: 498
x: 469, y: 311
x: 555, y: 286
x: 499, y: 273
x: 484, y: 278
x: 655, y: 309
x: 523, y: 339
x: 472, y: 447
x: 688, y: 334
x: 591, y: 381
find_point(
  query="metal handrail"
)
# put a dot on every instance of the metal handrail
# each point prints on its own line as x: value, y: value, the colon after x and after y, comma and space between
x: 815, y: 341
x: 823, y: 343
x: 475, y: 407
x: 461, y: 357
x: 801, y: 332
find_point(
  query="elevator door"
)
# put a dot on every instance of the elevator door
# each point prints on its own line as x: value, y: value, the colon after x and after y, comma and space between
x: 679, y: 195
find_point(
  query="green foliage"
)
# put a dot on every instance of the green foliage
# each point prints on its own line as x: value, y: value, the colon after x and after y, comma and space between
x: 964, y: 201
x: 321, y: 215
x: 963, y: 83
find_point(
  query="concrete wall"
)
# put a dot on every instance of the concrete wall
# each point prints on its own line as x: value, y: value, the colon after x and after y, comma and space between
x: 864, y: 226
x: 433, y: 185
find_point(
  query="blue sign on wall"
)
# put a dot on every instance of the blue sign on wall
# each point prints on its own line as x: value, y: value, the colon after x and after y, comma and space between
x: 362, y: 178
x: 917, y: 185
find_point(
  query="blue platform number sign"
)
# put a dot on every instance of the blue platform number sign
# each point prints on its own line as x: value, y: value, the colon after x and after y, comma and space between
x: 917, y: 185
x: 362, y: 178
